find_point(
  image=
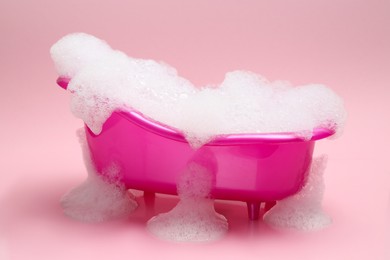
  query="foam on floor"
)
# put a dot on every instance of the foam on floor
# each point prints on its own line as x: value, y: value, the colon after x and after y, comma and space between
x: 102, y: 196
x: 104, y: 80
x: 194, y: 218
x: 303, y: 211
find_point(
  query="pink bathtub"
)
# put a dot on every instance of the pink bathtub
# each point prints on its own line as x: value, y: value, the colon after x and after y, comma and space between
x: 253, y: 168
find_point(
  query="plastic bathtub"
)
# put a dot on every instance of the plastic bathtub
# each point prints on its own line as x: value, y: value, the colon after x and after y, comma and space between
x: 254, y: 168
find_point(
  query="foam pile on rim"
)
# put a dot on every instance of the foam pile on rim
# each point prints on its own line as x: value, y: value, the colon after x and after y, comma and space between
x: 103, y: 80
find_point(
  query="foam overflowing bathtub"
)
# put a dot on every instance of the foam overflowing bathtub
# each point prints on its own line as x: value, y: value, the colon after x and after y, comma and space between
x: 146, y: 128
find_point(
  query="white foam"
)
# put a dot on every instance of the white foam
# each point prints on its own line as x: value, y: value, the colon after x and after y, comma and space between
x: 104, y: 80
x: 194, y: 218
x: 303, y: 210
x: 70, y: 55
x: 101, y: 197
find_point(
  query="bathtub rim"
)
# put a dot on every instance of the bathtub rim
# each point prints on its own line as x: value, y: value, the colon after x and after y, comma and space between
x: 150, y: 125
x: 220, y: 140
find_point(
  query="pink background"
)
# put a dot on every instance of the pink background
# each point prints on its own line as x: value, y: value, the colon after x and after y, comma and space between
x: 344, y: 44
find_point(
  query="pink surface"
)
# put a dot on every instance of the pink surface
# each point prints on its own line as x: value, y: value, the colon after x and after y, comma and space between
x: 344, y: 44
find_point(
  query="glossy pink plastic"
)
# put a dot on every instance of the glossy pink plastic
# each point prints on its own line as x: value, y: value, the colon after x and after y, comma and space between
x: 254, y: 168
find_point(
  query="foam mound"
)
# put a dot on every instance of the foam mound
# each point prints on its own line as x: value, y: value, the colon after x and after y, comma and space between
x: 303, y: 210
x: 104, y: 80
x: 194, y: 218
x: 102, y: 196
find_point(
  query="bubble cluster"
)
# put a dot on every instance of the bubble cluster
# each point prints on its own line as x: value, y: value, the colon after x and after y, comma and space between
x: 104, y: 80
x: 194, y: 218
x: 102, y: 196
x: 303, y: 210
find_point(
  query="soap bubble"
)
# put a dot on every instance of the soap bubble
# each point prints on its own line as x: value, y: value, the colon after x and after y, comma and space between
x: 104, y: 80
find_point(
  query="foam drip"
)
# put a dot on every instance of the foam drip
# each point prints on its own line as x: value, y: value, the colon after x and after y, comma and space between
x: 194, y: 218
x: 303, y: 210
x: 101, y: 196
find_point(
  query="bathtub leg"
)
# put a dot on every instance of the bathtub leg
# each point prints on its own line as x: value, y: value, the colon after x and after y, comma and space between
x: 149, y: 198
x: 253, y: 210
x: 269, y: 205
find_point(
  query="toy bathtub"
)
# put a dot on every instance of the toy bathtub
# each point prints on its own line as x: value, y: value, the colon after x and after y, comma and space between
x: 254, y: 168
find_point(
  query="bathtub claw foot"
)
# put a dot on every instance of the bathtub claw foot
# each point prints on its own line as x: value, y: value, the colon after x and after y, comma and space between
x: 149, y: 198
x: 253, y: 210
x: 269, y: 205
